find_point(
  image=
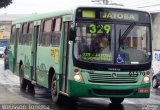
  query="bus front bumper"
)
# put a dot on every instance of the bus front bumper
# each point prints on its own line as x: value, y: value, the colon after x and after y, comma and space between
x: 76, y: 89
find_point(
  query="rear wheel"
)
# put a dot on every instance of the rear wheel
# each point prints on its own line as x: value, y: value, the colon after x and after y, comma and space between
x: 155, y: 82
x: 6, y: 63
x: 31, y: 89
x: 5, y: 66
x: 23, y: 81
x: 116, y: 100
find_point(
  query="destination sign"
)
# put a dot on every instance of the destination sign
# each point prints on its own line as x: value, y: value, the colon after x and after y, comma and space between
x: 109, y: 14
x: 97, y: 57
x: 119, y: 15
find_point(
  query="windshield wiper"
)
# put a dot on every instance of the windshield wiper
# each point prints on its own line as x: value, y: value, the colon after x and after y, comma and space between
x: 119, y: 39
x: 128, y: 30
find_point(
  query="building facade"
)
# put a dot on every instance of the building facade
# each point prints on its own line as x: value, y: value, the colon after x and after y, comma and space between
x: 5, y: 26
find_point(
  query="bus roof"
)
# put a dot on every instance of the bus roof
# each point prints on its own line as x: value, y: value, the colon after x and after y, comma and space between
x: 35, y: 17
x: 113, y: 7
x: 68, y: 11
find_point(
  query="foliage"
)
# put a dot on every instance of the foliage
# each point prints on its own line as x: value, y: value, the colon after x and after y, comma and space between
x: 5, y: 3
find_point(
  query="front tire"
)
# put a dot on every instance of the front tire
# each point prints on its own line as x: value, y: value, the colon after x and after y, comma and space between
x: 155, y: 83
x: 116, y: 100
x: 56, y: 96
x: 23, y: 81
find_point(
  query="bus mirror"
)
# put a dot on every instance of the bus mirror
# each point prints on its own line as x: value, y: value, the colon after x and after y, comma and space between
x: 72, y: 34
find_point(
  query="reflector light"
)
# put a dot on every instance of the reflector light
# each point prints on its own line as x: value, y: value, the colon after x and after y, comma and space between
x: 143, y: 90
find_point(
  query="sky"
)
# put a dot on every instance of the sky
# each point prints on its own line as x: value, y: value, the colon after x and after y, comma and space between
x: 148, y: 5
x: 39, y: 6
x: 42, y: 6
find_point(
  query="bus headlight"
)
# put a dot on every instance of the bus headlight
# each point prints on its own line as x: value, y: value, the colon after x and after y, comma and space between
x: 146, y: 78
x: 77, y: 75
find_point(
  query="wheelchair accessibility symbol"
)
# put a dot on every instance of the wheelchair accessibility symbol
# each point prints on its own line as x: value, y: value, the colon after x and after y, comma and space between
x: 120, y: 58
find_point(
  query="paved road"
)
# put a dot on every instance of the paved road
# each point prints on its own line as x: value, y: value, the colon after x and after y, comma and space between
x: 10, y: 94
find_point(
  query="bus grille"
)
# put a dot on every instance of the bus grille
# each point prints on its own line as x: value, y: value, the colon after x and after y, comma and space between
x: 108, y: 78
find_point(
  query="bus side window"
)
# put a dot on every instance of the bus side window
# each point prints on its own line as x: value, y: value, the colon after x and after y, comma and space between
x: 45, y: 39
x: 13, y: 30
x: 23, y: 37
x: 20, y: 36
x: 25, y: 28
x: 30, y: 30
x: 57, y: 24
x: 41, y: 34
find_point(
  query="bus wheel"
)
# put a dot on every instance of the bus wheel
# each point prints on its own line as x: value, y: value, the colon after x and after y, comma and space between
x: 56, y: 97
x: 23, y: 81
x: 31, y: 89
x: 155, y: 83
x: 5, y: 66
x: 116, y: 100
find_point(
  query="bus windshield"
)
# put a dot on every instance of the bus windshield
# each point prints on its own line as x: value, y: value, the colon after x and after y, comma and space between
x: 134, y: 46
x: 104, y: 42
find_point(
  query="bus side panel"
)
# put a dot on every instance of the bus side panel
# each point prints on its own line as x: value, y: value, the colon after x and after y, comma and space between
x: 45, y: 60
x: 24, y: 55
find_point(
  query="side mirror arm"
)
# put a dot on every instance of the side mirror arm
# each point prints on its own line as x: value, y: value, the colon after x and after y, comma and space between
x: 72, y: 34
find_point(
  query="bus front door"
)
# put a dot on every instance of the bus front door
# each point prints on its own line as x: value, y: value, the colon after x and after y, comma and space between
x: 34, y: 51
x: 65, y: 56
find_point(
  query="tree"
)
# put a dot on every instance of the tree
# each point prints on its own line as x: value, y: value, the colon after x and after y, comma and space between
x: 5, y: 3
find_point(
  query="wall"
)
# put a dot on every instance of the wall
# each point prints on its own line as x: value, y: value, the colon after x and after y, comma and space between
x: 156, y: 30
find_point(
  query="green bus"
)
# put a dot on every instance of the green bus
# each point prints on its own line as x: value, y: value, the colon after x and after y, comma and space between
x: 87, y: 51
